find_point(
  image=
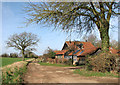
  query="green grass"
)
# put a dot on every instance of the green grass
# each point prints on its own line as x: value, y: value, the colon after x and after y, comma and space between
x: 58, y: 65
x: 11, y: 76
x: 7, y: 61
x: 92, y: 73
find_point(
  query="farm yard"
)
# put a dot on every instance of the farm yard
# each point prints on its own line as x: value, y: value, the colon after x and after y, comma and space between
x: 38, y: 73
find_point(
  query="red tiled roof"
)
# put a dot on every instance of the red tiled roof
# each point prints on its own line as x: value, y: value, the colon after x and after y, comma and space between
x: 88, y: 48
x: 85, y: 44
x: 86, y: 51
x: 60, y: 52
x: 71, y: 53
x: 112, y: 50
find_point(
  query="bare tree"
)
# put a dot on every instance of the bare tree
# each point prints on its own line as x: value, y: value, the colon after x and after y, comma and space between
x: 22, y: 41
x: 81, y: 16
x: 114, y: 44
x: 91, y: 38
x: 98, y: 43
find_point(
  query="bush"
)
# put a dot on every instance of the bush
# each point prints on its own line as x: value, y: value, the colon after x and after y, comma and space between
x: 49, y: 53
x: 89, y: 67
x: 50, y: 60
x: 44, y: 59
x: 13, y: 77
x: 5, y: 55
x: 64, y: 60
x: 59, y: 60
x: 13, y: 55
x: 102, y: 62
x: 68, y: 62
x: 13, y: 74
x: 118, y: 65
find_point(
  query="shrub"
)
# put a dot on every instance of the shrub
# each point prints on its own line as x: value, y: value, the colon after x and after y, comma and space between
x: 68, y: 62
x: 44, y: 59
x: 49, y: 53
x: 50, y: 60
x: 59, y: 60
x: 64, y: 60
x: 102, y: 62
x: 118, y: 65
x: 89, y: 66
x: 56, y: 60
x: 13, y: 55
x: 5, y: 55
x: 13, y: 76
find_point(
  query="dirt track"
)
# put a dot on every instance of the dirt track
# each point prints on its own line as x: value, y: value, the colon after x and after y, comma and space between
x: 50, y: 74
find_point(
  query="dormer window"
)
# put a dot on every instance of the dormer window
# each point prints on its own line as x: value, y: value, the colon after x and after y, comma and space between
x: 80, y: 46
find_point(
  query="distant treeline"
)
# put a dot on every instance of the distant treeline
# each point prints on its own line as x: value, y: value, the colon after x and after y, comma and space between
x: 15, y: 55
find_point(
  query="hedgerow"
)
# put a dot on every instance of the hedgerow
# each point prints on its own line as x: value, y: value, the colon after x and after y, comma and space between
x: 102, y: 62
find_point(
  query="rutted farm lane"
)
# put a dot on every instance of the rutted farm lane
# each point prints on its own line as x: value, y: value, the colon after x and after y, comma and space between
x: 51, y: 74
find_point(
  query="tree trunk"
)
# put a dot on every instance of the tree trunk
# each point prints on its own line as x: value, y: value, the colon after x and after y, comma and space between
x: 104, y: 34
x: 72, y: 59
x: 23, y: 55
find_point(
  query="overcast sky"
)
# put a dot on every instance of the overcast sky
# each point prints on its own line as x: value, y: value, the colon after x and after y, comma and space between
x: 12, y: 22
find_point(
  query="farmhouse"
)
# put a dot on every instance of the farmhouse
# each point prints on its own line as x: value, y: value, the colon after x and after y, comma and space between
x: 77, y: 51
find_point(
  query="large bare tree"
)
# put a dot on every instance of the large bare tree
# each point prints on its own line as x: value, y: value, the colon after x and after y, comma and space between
x: 22, y: 41
x: 81, y: 16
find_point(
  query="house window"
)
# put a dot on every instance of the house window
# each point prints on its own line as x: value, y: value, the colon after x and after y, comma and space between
x: 80, y: 46
x: 83, y: 59
x: 68, y: 57
x: 74, y: 59
x: 59, y: 56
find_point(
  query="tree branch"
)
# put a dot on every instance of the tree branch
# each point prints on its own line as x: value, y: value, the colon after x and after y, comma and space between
x: 102, y: 10
x: 95, y: 12
x: 109, y: 12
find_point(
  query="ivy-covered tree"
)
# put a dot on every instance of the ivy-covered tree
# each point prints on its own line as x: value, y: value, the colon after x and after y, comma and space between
x: 81, y: 16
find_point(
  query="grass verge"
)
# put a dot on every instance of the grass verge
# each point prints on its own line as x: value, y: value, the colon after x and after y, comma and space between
x: 13, y: 74
x: 92, y: 73
x: 58, y: 65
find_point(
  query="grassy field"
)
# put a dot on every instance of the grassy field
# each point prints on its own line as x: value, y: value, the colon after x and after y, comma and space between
x: 92, y: 73
x: 49, y: 64
x: 7, y: 61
